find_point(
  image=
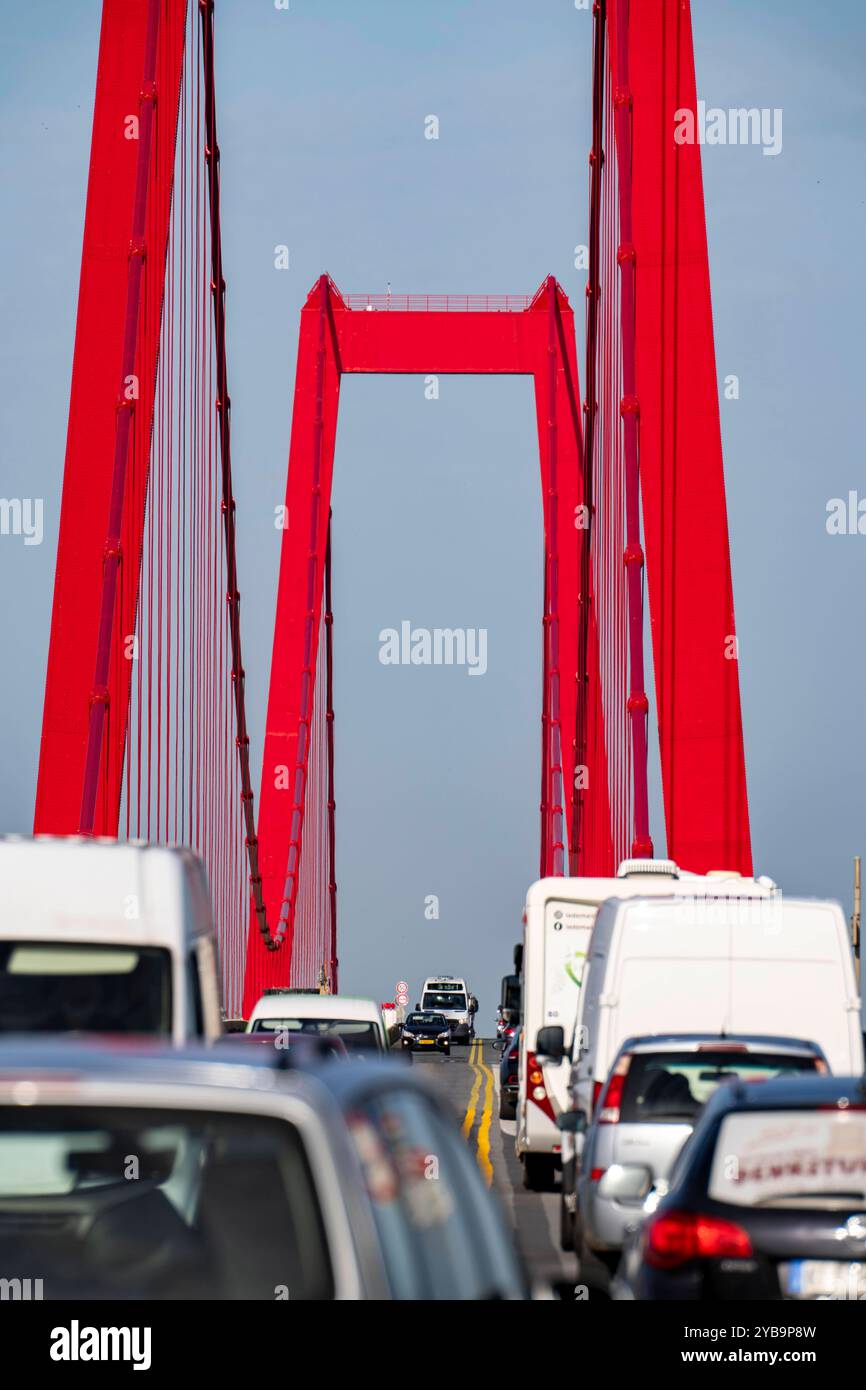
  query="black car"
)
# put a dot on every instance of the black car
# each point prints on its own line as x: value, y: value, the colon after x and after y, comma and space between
x: 426, y: 1032
x: 767, y: 1199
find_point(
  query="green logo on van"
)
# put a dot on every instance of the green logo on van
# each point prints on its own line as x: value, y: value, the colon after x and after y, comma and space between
x: 578, y: 955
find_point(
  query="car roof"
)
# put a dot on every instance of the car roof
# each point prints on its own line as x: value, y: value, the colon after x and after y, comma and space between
x: 236, y: 1066
x: 737, y: 893
x: 137, y: 1059
x: 806, y: 1091
x: 69, y: 888
x: 688, y: 1042
x: 278, y: 1004
x: 648, y: 878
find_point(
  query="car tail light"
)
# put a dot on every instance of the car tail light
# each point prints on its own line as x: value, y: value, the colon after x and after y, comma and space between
x: 611, y: 1099
x: 609, y: 1112
x: 597, y: 1174
x: 674, y: 1237
x: 722, y: 1047
x: 535, y: 1087
x: 597, y: 1088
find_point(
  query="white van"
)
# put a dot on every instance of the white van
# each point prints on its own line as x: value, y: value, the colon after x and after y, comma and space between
x: 558, y: 920
x: 357, y: 1023
x: 449, y: 995
x: 102, y: 936
x: 779, y: 967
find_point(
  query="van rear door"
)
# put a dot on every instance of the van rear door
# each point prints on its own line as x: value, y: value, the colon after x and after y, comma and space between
x: 665, y: 994
x: 791, y: 975
x: 669, y: 972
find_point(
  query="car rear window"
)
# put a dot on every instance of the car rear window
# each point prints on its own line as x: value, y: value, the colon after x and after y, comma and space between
x: 357, y: 1033
x: 791, y: 1158
x: 160, y: 1204
x: 671, y: 1087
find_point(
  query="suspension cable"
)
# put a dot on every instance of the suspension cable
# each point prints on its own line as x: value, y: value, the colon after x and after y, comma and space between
x: 223, y: 409
x: 593, y: 297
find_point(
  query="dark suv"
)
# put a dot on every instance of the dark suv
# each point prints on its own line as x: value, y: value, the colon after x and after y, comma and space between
x: 766, y: 1201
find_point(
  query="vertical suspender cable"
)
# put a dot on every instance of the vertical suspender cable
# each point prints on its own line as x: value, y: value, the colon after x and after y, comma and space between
x: 579, y: 844
x: 223, y: 404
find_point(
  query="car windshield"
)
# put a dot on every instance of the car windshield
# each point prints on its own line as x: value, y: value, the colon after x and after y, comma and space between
x: 673, y: 1086
x: 58, y: 987
x: 426, y: 1021
x: 791, y: 1158
x: 357, y: 1033
x: 444, y: 1000
x: 165, y: 1203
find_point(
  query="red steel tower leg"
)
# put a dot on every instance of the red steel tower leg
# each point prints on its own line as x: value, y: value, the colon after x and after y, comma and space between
x: 296, y: 638
x: 682, y: 475
x: 111, y: 405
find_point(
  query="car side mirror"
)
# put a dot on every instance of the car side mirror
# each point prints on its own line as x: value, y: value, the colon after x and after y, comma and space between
x: 473, y: 1004
x: 417, y: 1007
x: 550, y: 1043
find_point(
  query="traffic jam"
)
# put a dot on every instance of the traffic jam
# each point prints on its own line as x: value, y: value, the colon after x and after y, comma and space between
x: 677, y: 1073
x: 684, y: 1066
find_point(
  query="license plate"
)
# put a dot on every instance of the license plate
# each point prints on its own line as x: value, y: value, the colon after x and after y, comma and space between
x: 820, y: 1279
x: 425, y: 1042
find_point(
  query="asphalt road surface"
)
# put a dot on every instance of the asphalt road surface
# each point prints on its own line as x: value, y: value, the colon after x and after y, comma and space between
x: 469, y: 1081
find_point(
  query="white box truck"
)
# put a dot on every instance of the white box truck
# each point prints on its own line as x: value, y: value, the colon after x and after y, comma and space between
x: 558, y: 920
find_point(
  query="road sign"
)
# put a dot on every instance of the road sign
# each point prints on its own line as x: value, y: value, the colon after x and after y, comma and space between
x: 402, y: 987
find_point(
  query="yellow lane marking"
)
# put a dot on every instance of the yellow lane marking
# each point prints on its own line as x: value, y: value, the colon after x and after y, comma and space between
x: 469, y: 1117
x: 484, y: 1127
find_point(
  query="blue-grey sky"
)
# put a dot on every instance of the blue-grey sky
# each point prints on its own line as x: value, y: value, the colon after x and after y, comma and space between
x: 437, y: 514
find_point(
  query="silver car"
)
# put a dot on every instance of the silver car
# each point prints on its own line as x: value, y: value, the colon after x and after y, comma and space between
x: 646, y: 1110
x: 238, y: 1173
